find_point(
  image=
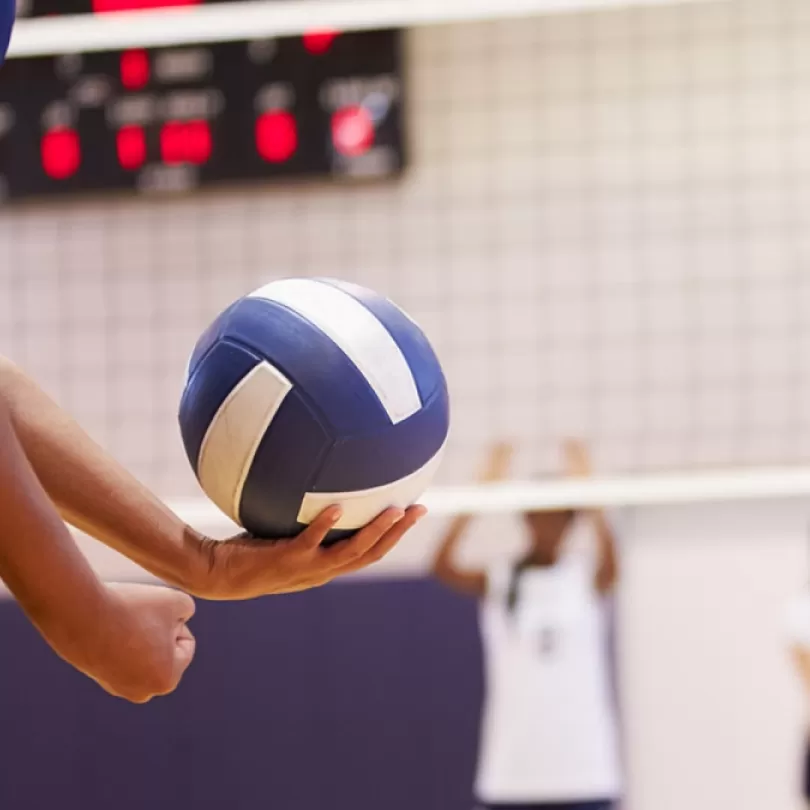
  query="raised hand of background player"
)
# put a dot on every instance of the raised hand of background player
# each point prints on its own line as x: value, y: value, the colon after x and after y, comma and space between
x: 141, y: 645
x: 576, y: 458
x: 242, y: 568
x: 498, y: 462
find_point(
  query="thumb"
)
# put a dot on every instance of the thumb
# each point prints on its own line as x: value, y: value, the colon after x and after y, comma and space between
x: 185, y: 645
x: 183, y: 607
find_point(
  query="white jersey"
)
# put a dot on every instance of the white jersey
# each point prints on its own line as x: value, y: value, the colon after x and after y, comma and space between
x: 549, y: 729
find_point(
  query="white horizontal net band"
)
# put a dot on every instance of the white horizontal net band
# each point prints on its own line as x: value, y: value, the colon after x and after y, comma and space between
x: 254, y: 19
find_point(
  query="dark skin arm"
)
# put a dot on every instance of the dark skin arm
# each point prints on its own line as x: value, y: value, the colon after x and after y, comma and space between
x: 470, y: 582
x: 801, y: 661
x: 445, y: 568
x: 132, y: 639
x: 578, y: 464
x: 94, y: 493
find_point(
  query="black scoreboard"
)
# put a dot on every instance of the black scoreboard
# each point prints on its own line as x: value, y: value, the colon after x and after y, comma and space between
x: 325, y: 104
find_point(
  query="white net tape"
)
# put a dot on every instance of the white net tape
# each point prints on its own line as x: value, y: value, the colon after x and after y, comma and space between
x: 609, y: 492
x: 270, y: 18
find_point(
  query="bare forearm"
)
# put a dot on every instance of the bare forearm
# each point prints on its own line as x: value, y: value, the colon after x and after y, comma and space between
x: 801, y: 660
x: 92, y: 491
x: 39, y: 561
x: 445, y: 556
x: 445, y: 568
x: 607, y: 566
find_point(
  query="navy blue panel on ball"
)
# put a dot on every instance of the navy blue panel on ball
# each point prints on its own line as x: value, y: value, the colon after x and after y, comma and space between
x: 311, y: 361
x: 379, y: 458
x: 208, y: 338
x: 411, y: 340
x: 283, y: 469
x: 214, y: 378
x: 8, y: 10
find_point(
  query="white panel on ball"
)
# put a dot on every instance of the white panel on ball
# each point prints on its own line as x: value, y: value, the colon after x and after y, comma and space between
x: 358, y: 333
x: 362, y: 506
x: 234, y: 434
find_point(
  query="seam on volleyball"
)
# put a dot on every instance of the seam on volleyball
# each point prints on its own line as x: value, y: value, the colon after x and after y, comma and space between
x: 310, y: 490
x: 370, y: 372
x: 312, y: 407
x: 319, y: 415
x: 366, y: 381
x: 352, y: 496
x: 234, y: 510
x: 245, y: 472
x: 366, y: 377
x: 219, y: 341
x: 336, y: 285
x: 389, y: 484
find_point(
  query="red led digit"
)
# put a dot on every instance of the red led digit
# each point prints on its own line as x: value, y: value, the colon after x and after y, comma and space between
x: 172, y: 142
x: 352, y: 131
x: 198, y: 142
x: 318, y: 42
x: 61, y: 153
x: 131, y: 146
x: 102, y: 6
x: 276, y: 136
x: 185, y: 142
x: 134, y: 69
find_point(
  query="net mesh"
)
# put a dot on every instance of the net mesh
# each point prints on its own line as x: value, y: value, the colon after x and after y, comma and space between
x: 604, y: 231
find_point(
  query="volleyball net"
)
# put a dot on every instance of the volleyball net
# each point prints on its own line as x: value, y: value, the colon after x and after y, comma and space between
x: 726, y: 487
x: 252, y: 19
x: 602, y: 228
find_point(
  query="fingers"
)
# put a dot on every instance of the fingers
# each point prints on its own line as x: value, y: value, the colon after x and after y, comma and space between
x: 374, y: 541
x: 312, y: 537
x: 185, y: 646
x: 387, y: 543
x: 185, y: 607
x: 352, y: 549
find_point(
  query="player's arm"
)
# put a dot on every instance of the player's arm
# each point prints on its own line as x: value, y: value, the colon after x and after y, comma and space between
x: 471, y: 582
x: 94, y: 493
x: 800, y: 655
x: 447, y: 570
x: 131, y: 640
x: 578, y: 464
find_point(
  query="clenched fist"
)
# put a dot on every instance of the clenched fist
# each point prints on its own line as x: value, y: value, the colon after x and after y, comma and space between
x: 139, y: 647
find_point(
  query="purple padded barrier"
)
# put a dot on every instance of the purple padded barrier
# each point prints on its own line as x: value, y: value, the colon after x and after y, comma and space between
x: 362, y: 696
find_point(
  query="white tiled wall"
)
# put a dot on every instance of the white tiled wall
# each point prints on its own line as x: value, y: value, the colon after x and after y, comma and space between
x: 605, y: 230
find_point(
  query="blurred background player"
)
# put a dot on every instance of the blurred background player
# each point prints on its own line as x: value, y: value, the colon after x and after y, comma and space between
x: 798, y: 630
x: 549, y: 736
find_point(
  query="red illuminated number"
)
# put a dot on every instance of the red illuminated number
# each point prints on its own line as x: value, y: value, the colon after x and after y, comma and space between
x: 134, y: 69
x: 185, y: 142
x: 198, y: 138
x: 61, y: 153
x: 352, y: 131
x: 276, y: 136
x: 172, y: 142
x: 101, y: 6
x: 131, y: 146
x: 319, y: 42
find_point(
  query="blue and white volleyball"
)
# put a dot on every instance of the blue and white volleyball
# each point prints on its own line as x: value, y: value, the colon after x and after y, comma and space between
x: 311, y: 392
x: 7, y: 13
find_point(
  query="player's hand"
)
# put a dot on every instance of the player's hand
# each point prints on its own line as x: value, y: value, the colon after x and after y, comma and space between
x: 141, y: 646
x: 243, y: 568
x: 497, y: 463
x: 576, y: 459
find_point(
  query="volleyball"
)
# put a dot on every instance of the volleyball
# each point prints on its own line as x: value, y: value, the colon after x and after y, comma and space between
x: 308, y: 393
x: 7, y: 14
